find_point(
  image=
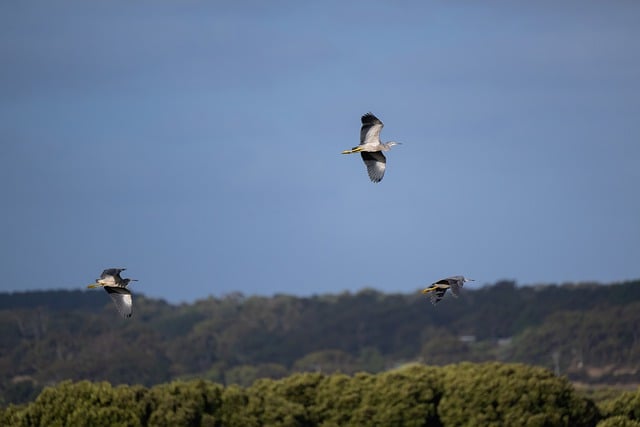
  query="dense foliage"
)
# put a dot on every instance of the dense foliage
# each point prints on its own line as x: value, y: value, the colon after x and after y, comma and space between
x: 414, y: 395
x: 588, y: 332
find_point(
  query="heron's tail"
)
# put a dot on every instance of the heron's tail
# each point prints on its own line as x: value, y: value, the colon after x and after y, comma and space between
x: 353, y: 150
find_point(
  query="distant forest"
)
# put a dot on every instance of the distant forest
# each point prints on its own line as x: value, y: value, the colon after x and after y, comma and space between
x: 587, y: 332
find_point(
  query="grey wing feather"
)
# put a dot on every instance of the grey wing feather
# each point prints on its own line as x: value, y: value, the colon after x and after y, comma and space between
x: 370, y: 130
x: 455, y: 288
x: 111, y: 272
x: 437, y: 295
x: 456, y: 282
x: 122, y: 299
x: 376, y: 164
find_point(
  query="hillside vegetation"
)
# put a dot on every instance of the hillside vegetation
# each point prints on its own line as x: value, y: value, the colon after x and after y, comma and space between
x: 588, y: 332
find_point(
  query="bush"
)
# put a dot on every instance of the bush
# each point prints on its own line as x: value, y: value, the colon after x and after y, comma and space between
x: 626, y: 405
x: 511, y: 394
x: 618, y: 421
x: 413, y: 395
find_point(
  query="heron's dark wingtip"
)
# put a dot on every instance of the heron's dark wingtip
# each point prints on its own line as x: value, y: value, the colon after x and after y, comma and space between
x: 370, y: 119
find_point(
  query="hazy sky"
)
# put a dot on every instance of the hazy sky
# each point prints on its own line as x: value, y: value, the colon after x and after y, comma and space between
x: 198, y: 144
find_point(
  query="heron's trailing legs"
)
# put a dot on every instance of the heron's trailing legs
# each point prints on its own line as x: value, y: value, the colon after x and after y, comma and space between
x: 353, y: 150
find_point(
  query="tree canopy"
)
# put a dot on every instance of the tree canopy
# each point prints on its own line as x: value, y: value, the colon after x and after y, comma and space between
x: 413, y: 395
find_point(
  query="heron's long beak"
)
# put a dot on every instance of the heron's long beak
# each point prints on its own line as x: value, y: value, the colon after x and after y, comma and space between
x: 93, y: 285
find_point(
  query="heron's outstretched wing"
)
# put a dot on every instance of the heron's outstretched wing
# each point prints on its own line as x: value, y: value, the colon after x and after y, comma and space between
x: 370, y: 130
x: 437, y: 295
x: 111, y: 272
x: 122, y: 299
x: 456, y: 283
x: 111, y: 276
x: 376, y: 164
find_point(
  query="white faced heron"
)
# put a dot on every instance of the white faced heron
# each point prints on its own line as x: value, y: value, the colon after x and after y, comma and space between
x: 439, y: 288
x: 371, y: 148
x: 116, y: 287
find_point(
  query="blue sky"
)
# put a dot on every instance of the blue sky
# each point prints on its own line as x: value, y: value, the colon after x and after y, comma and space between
x: 198, y: 144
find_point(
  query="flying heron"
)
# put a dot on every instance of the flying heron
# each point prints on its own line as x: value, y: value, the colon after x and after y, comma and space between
x: 116, y: 287
x: 439, y: 288
x: 371, y: 148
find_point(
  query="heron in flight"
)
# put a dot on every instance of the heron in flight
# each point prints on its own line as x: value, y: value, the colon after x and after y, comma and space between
x: 371, y: 148
x: 439, y: 288
x: 116, y: 287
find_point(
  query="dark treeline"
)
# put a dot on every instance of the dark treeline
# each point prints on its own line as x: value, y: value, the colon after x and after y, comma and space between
x: 415, y: 395
x: 588, y: 332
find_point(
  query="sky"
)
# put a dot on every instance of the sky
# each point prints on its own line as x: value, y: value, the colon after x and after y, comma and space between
x: 198, y: 144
